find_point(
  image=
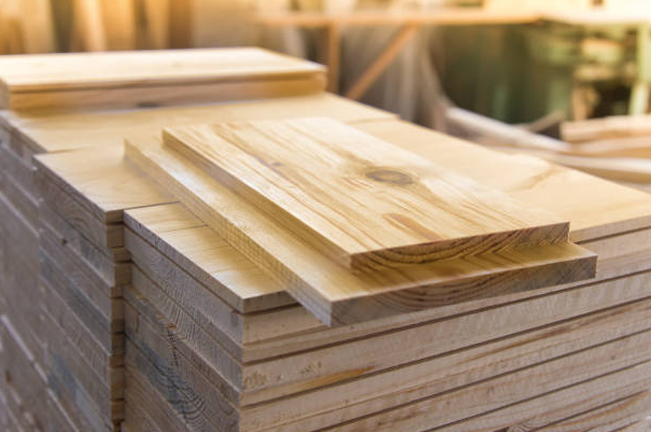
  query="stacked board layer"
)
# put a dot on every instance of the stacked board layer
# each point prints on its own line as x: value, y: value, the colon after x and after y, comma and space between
x: 131, y: 79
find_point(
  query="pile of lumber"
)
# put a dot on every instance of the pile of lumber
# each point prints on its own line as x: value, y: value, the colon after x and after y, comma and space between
x: 64, y: 265
x: 239, y: 315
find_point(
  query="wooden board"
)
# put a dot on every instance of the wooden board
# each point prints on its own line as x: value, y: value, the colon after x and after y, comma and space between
x: 51, y: 131
x: 154, y: 77
x: 327, y: 289
x: 565, y: 192
x: 364, y: 202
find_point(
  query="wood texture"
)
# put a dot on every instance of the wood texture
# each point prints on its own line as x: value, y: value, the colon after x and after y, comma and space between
x: 154, y: 77
x: 51, y: 132
x: 531, y: 180
x: 362, y: 201
x: 327, y: 289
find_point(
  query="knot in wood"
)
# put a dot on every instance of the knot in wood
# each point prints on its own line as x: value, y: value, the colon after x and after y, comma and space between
x: 390, y: 176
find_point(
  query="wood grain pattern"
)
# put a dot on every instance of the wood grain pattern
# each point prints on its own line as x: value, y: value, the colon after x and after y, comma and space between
x: 326, y: 288
x: 565, y: 192
x: 363, y: 201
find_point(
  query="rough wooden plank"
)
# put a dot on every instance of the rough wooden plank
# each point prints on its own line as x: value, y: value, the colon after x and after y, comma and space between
x: 364, y: 202
x: 328, y: 290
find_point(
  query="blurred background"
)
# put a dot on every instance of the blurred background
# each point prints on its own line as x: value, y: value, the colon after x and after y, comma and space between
x: 533, y: 62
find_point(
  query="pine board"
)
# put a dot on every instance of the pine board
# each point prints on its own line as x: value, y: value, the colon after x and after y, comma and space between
x: 364, y: 202
x: 328, y: 290
x: 569, y: 194
x: 51, y: 131
x: 153, y: 77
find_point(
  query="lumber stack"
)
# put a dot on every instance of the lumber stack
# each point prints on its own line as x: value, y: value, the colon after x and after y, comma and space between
x: 213, y: 343
x: 213, y: 325
x: 63, y: 261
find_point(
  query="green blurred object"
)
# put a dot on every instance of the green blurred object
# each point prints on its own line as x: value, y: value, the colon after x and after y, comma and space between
x: 520, y: 73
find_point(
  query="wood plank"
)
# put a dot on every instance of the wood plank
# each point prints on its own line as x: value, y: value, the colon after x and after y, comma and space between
x: 332, y: 185
x: 587, y: 394
x: 612, y: 210
x: 502, y: 391
x: 154, y: 77
x: 605, y: 128
x: 50, y: 131
x: 328, y: 290
x: 621, y: 413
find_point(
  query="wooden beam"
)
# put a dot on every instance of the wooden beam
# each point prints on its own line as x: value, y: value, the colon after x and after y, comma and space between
x: 380, y: 64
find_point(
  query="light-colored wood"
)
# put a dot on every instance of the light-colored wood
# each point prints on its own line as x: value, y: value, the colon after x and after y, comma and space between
x: 156, y: 17
x: 119, y: 23
x: 584, y: 395
x: 631, y: 170
x: 533, y: 181
x: 88, y: 29
x: 365, y: 202
x: 51, y: 132
x: 99, y: 181
x: 194, y: 261
x: 327, y: 289
x: 38, y: 26
x: 496, y: 393
x: 153, y: 77
x: 609, y: 418
x: 606, y: 128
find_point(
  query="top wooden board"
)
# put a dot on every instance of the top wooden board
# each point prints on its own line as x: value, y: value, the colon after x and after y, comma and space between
x: 362, y: 201
x: 153, y: 77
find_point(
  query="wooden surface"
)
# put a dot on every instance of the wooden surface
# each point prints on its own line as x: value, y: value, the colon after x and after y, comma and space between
x: 360, y: 200
x: 54, y: 131
x: 64, y: 80
x: 325, y: 288
x: 565, y: 192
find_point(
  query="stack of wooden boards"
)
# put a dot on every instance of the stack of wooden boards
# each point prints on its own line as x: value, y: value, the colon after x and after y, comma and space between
x: 212, y: 342
x: 215, y: 344
x: 64, y: 267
